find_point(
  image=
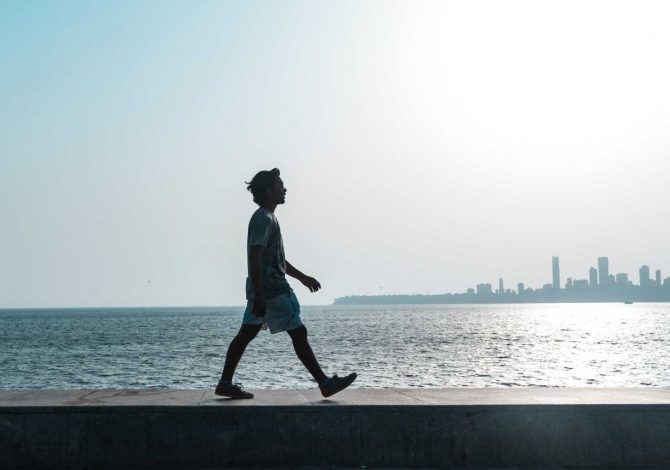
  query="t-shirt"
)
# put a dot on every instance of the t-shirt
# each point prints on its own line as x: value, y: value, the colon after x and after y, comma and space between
x: 264, y: 231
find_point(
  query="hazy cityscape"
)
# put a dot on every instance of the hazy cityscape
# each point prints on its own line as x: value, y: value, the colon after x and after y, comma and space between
x: 601, y: 286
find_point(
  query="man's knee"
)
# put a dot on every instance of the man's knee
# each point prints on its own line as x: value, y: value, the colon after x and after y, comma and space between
x: 299, y: 333
x: 248, y: 332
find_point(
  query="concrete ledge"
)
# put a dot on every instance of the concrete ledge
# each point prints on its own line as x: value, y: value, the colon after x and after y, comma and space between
x: 491, y: 427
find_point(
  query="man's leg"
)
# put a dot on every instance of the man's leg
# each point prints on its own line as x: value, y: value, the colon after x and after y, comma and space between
x: 236, y: 349
x: 305, y: 353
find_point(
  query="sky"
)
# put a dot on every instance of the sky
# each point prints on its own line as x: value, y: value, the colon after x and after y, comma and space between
x: 425, y: 146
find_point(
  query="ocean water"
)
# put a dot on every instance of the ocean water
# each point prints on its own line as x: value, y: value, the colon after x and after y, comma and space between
x: 523, y: 345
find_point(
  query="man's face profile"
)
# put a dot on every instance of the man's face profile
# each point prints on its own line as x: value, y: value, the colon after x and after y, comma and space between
x: 276, y: 193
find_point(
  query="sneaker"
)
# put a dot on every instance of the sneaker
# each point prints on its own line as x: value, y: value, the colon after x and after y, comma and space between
x: 335, y: 384
x: 232, y: 391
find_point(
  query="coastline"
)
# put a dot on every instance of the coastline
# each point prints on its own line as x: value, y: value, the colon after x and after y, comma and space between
x: 474, y: 299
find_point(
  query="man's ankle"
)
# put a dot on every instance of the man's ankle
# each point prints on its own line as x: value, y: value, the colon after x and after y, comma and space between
x: 225, y: 381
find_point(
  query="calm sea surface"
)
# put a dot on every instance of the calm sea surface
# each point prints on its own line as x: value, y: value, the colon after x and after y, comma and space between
x: 530, y: 345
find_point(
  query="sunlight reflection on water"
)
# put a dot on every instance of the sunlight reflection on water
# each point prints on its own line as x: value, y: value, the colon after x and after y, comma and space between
x: 518, y: 345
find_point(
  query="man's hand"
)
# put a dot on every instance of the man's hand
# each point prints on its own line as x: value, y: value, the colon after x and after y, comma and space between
x: 259, y: 307
x: 311, y: 283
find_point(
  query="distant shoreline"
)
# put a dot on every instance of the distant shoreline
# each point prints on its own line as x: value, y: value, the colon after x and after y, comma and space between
x: 557, y: 297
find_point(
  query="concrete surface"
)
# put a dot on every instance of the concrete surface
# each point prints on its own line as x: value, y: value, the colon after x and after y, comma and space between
x: 457, y: 428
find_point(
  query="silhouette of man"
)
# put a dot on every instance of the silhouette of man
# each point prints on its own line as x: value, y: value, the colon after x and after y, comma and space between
x: 271, y: 302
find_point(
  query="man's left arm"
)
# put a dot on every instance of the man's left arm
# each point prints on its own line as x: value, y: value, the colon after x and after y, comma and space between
x: 308, y: 281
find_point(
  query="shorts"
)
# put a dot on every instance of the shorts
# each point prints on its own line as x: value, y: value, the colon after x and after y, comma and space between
x: 282, y: 313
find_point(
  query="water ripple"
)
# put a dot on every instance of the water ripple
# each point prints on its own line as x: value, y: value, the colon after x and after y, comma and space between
x: 536, y: 345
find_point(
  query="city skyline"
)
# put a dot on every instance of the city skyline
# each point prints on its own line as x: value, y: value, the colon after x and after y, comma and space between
x: 600, y: 286
x: 599, y: 276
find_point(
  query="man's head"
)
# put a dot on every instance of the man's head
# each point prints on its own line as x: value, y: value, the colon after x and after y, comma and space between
x: 267, y: 187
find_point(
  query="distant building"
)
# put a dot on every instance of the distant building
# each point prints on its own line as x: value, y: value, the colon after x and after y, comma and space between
x: 547, y: 287
x: 501, y: 289
x: 611, y: 279
x: 555, y: 272
x: 520, y: 288
x: 644, y: 275
x: 593, y: 277
x: 568, y: 283
x: 580, y: 284
x: 484, y: 289
x: 603, y: 270
x: 658, y: 277
x: 622, y: 278
x: 470, y: 291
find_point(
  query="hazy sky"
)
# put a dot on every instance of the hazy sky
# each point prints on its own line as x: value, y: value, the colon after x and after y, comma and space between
x: 425, y: 146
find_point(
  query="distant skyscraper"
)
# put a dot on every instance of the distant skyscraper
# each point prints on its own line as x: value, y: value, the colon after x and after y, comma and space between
x: 644, y: 275
x: 658, y: 277
x: 593, y: 277
x: 484, y: 289
x: 568, y: 283
x: 501, y: 289
x: 520, y: 287
x: 603, y: 270
x: 580, y: 284
x: 556, y: 275
x: 622, y: 278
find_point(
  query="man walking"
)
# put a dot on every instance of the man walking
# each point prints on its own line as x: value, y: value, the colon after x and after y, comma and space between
x: 271, y: 302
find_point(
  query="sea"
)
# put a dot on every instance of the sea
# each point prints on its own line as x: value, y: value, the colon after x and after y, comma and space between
x: 406, y: 346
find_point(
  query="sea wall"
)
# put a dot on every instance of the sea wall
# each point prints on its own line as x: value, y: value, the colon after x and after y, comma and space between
x: 492, y: 427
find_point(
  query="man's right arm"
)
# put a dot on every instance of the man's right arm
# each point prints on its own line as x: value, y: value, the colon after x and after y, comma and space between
x: 255, y: 254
